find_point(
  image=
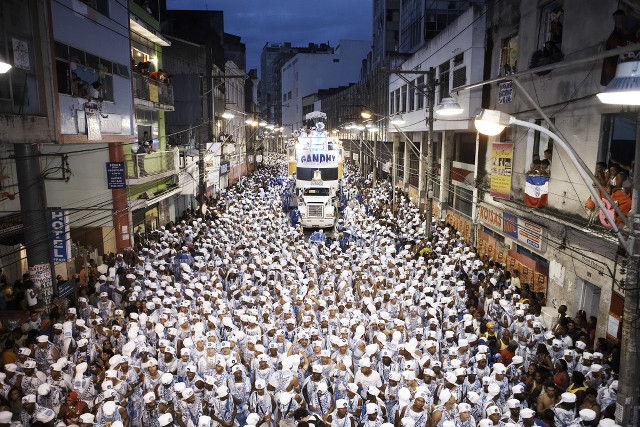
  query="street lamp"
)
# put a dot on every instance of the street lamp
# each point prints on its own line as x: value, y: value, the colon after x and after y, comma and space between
x: 624, y: 89
x: 492, y: 122
x: 228, y: 115
x: 366, y: 114
x: 4, y: 65
x: 448, y: 107
x: 397, y: 120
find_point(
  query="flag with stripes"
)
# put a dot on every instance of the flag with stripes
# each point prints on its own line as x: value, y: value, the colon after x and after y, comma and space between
x: 536, y: 191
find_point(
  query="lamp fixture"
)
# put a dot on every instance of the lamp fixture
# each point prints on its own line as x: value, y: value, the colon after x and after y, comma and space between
x: 492, y: 122
x: 448, y: 107
x: 624, y: 89
x: 366, y: 114
x: 4, y: 65
x: 228, y: 115
x: 263, y: 124
x: 397, y: 120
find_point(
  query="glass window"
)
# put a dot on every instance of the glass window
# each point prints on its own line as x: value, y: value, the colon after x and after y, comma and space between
x: 403, y: 99
x: 420, y: 86
x: 412, y: 95
x: 509, y: 56
x: 443, y: 71
x: 542, y: 142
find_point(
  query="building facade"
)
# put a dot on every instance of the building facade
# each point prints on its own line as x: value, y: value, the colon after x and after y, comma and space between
x: 305, y: 74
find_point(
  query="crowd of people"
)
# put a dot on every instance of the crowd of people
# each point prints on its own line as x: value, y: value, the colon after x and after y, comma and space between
x: 236, y: 319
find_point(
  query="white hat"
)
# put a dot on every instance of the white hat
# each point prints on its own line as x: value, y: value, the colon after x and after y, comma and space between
x: 372, y: 408
x: 221, y: 391
x: 46, y: 415
x: 165, y: 419
x: 513, y: 403
x: 5, y: 417
x: 527, y: 413
x: 87, y: 418
x: 444, y: 396
x: 109, y: 408
x: 568, y: 398
x: 149, y: 397
x: 29, y: 398
x: 493, y: 409
x: 341, y: 403
x: 188, y: 392
x: 587, y: 414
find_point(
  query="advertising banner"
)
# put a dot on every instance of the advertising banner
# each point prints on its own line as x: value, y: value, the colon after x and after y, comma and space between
x: 41, y: 276
x: 317, y: 159
x: 501, y: 161
x: 60, y: 236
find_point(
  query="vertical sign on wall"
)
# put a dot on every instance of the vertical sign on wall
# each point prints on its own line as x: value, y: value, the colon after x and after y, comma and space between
x: 41, y: 276
x: 501, y: 161
x: 60, y: 236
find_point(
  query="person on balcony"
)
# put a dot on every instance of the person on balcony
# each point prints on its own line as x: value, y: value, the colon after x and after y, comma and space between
x: 144, y: 147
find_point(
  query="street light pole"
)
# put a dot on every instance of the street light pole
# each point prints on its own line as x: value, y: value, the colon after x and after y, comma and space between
x: 427, y: 207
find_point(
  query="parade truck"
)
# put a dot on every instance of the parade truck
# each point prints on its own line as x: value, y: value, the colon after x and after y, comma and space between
x: 315, y: 162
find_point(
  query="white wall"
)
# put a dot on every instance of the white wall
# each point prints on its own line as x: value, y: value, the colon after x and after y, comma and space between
x: 306, y: 73
x: 86, y: 188
x: 106, y: 38
x: 463, y: 35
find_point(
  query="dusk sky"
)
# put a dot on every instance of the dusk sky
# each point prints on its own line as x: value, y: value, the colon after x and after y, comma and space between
x: 297, y: 21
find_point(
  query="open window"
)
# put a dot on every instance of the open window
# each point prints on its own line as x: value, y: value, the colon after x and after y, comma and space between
x: 549, y: 36
x: 509, y: 56
x: 618, y: 140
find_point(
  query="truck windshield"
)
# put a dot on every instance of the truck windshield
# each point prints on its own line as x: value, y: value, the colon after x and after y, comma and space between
x: 316, y: 191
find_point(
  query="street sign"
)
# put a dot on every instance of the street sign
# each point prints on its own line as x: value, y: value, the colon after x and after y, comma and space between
x: 60, y: 236
x: 115, y: 175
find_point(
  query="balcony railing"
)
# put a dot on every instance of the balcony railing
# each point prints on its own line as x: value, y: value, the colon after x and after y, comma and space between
x: 152, y: 164
x: 152, y: 92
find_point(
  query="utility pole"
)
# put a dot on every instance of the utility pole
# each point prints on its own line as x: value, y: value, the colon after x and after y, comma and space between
x: 629, y: 386
x: 428, y: 209
x: 210, y: 119
x: 374, y: 171
x: 35, y: 217
x: 394, y: 177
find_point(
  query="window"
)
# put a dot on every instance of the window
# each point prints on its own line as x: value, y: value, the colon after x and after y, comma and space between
x: 618, y: 139
x: 459, y: 77
x: 397, y: 96
x: 551, y: 20
x: 19, y: 87
x: 461, y: 199
x: 541, y: 142
x: 412, y: 96
x: 403, y: 99
x: 392, y: 109
x: 336, y: 60
x: 420, y: 86
x: 76, y: 70
x: 101, y: 6
x: 284, y: 98
x: 509, y: 56
x: 534, y: 256
x: 458, y: 59
x: 443, y: 71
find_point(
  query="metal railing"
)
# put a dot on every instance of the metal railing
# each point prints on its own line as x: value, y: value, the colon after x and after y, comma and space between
x: 151, y: 90
x: 142, y: 165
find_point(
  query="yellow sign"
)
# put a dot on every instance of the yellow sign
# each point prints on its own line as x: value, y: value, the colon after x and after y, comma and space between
x: 153, y: 93
x: 501, y: 163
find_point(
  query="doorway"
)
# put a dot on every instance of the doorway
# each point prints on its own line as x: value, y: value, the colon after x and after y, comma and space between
x: 587, y: 297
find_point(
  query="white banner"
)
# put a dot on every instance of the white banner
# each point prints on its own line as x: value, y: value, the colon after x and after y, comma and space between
x: 315, y: 159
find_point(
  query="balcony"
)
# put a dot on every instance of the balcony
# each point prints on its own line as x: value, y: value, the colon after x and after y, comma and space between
x: 143, y: 168
x: 152, y: 93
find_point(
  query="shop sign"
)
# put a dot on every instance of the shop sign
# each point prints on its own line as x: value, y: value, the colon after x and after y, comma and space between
x: 115, y: 175
x: 505, y: 92
x: 112, y: 123
x: 527, y: 233
x: 224, y: 168
x: 60, y: 237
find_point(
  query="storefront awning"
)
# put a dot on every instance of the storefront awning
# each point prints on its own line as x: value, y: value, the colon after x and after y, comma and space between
x: 144, y: 203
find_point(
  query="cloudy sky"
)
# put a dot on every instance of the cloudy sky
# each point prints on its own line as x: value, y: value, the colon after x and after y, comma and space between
x: 297, y: 21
